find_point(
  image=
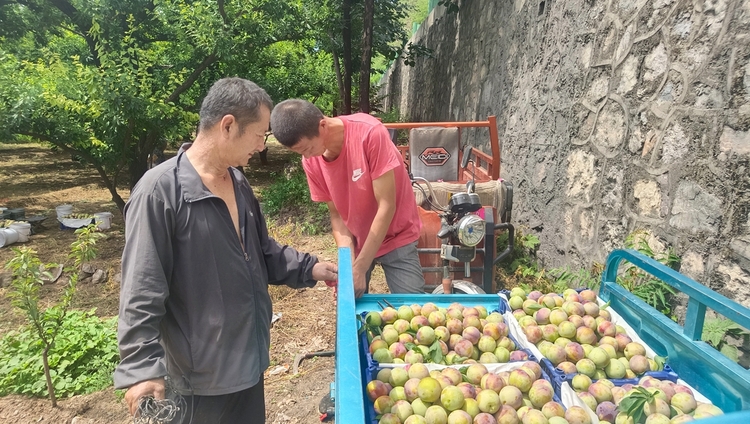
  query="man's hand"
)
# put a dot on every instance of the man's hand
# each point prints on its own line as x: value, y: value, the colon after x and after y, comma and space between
x: 360, y: 280
x: 145, y: 388
x: 325, y: 271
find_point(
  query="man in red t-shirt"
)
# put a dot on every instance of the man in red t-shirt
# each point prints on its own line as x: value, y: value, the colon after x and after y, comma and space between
x: 353, y: 166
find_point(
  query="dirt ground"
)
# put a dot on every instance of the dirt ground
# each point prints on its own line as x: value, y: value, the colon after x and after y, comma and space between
x: 34, y: 177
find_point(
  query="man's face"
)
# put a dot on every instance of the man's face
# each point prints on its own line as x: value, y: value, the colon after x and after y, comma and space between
x: 252, y: 139
x: 310, y: 147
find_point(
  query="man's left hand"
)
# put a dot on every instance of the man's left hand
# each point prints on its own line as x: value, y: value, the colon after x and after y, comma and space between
x: 325, y: 271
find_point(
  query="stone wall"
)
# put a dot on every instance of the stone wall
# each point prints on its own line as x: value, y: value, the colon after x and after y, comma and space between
x: 614, y: 116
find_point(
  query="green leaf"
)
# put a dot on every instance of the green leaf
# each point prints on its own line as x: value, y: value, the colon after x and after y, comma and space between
x: 660, y: 361
x: 730, y: 352
x: 673, y: 410
x: 436, y: 353
x: 535, y: 307
x: 627, y: 403
x: 633, y: 403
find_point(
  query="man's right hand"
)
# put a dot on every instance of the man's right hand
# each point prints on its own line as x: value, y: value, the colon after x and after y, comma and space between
x: 360, y: 281
x: 145, y: 388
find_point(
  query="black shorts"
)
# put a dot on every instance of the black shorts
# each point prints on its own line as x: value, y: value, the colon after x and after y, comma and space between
x: 245, y: 407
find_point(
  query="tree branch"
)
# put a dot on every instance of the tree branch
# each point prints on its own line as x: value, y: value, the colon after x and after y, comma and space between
x: 83, y: 25
x: 210, y: 59
x: 223, y: 13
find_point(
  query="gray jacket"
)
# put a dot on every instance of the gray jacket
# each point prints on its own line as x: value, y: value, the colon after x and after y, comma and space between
x: 193, y: 305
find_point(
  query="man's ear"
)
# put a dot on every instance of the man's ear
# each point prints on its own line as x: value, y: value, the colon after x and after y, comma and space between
x: 226, y: 124
x: 322, y: 126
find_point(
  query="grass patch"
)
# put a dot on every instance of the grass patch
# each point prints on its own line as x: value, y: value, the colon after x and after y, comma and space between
x: 287, y: 201
x: 82, y: 359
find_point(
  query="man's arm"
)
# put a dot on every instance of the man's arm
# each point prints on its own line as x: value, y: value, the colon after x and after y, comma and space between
x: 384, y: 188
x: 147, y: 260
x: 344, y: 238
x: 341, y: 233
x: 286, y: 265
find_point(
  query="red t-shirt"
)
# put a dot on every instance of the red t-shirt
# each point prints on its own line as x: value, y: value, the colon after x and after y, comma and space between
x: 367, y: 154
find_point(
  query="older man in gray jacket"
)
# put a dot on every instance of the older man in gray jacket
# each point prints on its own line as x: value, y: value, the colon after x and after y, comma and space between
x: 194, y: 302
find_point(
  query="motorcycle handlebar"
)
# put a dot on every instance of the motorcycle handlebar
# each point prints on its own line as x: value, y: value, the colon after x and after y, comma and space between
x: 511, y: 240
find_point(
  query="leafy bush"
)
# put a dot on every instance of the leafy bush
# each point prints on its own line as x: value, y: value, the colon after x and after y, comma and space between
x: 523, y: 255
x: 288, y: 199
x: 650, y: 289
x: 391, y: 115
x: 82, y: 359
x: 523, y: 269
x: 46, y: 324
x: 717, y: 331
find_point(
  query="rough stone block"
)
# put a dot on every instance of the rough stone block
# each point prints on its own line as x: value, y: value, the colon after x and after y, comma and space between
x: 695, y: 210
x: 674, y: 144
x: 612, y: 191
x: 692, y: 265
x: 628, y: 75
x: 610, y: 129
x: 587, y: 228
x: 741, y: 250
x: 582, y: 174
x: 100, y: 276
x: 55, y: 274
x: 736, y: 282
x: 611, y: 235
x: 88, y: 269
x: 737, y: 142
x: 656, y: 63
x: 599, y: 89
x: 649, y: 197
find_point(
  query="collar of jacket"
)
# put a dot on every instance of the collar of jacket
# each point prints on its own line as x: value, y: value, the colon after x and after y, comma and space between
x: 192, y: 186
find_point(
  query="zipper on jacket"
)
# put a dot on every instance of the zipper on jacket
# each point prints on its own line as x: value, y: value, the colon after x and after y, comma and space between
x: 211, y: 195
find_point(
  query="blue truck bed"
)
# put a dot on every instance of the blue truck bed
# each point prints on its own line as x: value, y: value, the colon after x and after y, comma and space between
x: 725, y: 383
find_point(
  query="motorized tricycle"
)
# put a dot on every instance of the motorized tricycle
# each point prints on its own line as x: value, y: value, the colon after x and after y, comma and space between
x: 462, y: 207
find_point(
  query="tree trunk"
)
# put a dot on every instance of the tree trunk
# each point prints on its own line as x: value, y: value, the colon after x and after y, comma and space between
x: 109, y: 183
x: 339, y: 79
x: 112, y: 187
x: 137, y: 167
x: 364, y: 72
x: 50, y: 387
x: 346, y: 35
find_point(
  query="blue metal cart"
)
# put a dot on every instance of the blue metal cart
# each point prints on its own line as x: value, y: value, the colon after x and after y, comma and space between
x: 725, y: 383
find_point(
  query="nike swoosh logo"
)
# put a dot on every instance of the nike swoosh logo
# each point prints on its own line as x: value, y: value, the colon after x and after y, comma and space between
x: 357, y: 177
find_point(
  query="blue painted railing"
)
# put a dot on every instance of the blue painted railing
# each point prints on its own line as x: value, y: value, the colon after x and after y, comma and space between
x: 350, y: 402
x: 721, y: 380
x: 724, y: 382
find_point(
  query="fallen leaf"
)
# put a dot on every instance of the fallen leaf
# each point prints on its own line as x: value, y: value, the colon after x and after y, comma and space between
x: 279, y: 369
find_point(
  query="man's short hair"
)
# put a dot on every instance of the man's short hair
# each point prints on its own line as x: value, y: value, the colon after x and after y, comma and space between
x: 295, y: 119
x: 233, y: 96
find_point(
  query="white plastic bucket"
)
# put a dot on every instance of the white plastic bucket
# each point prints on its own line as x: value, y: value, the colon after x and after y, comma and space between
x: 23, y: 229
x: 8, y: 236
x: 64, y: 210
x: 103, y: 220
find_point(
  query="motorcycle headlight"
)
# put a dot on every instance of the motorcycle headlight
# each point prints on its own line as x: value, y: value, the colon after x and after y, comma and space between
x: 470, y: 230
